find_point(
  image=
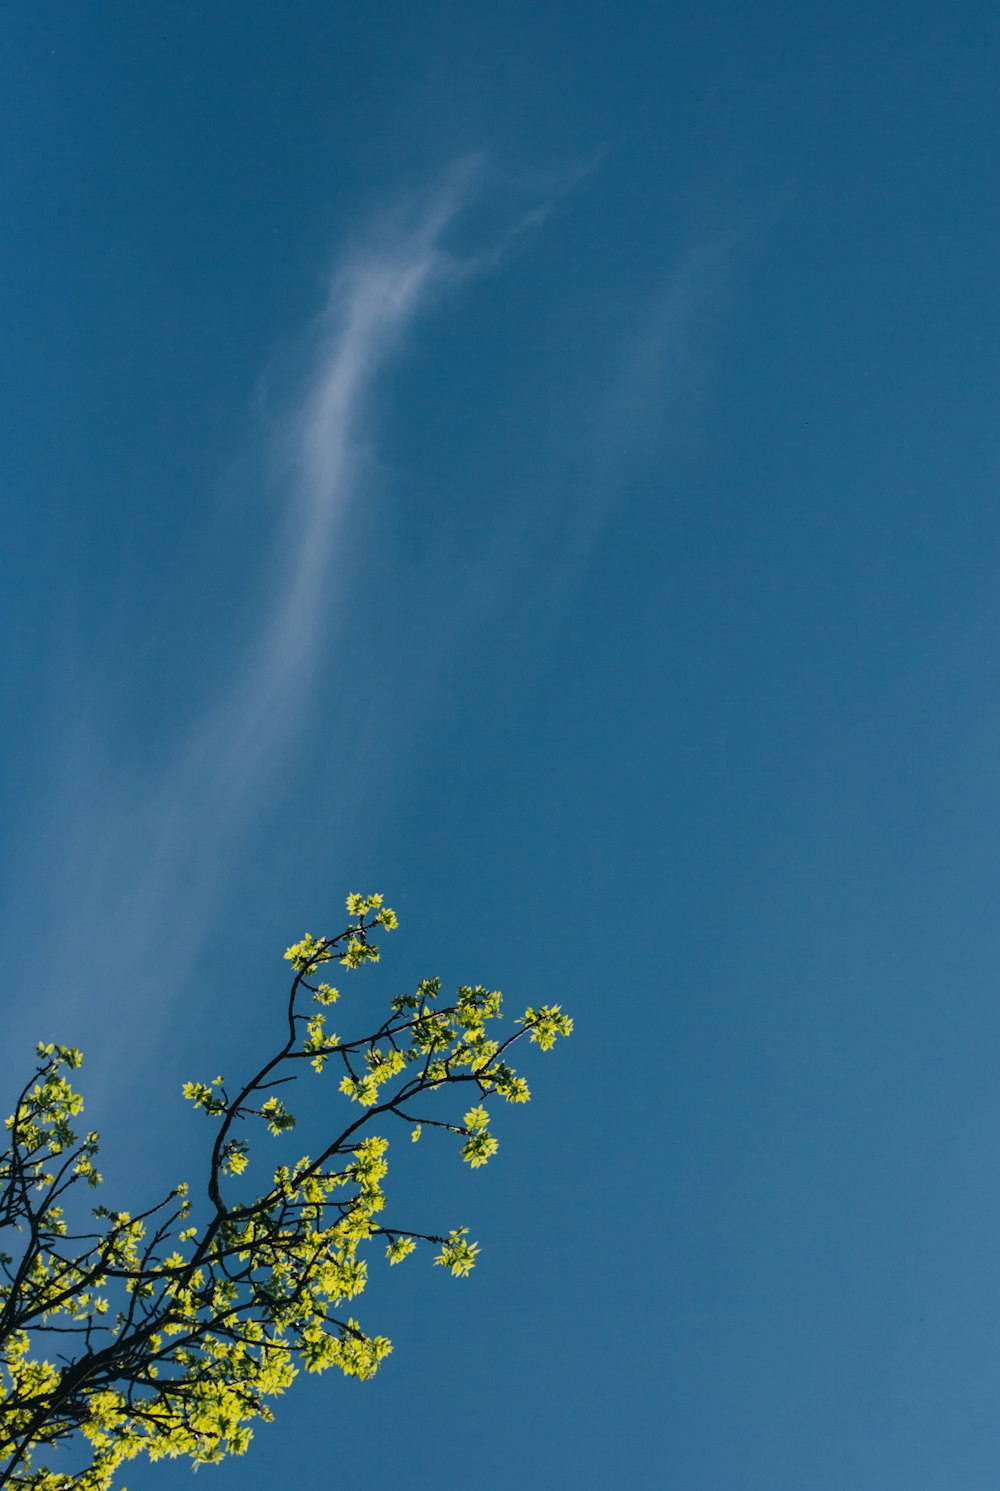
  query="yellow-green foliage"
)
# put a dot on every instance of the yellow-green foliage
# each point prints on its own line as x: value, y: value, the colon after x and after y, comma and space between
x: 168, y: 1333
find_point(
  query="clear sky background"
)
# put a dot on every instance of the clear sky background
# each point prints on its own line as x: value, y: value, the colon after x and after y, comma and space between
x: 538, y: 460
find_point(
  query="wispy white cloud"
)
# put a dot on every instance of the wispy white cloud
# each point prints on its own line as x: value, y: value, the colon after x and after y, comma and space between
x: 376, y: 292
x: 142, y: 863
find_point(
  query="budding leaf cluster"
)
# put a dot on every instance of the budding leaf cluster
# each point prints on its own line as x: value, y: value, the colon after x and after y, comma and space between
x: 170, y: 1332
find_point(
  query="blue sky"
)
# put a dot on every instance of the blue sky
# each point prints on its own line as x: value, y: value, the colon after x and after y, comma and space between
x: 539, y: 461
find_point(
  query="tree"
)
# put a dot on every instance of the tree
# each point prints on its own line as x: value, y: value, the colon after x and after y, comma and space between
x: 166, y: 1333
